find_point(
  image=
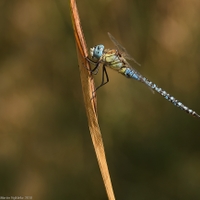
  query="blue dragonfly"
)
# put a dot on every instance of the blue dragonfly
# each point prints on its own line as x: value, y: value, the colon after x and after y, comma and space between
x: 116, y: 59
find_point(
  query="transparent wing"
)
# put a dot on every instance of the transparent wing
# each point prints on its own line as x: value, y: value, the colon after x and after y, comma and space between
x: 139, y: 75
x: 122, y: 50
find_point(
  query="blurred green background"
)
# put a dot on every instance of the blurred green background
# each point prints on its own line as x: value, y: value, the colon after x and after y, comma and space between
x: 152, y: 147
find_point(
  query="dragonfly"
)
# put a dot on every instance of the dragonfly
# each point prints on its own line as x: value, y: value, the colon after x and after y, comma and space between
x: 116, y: 59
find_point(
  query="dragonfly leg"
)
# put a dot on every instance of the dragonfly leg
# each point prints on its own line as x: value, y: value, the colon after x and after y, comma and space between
x: 90, y: 61
x: 104, y: 74
x: 95, y: 71
x: 96, y: 68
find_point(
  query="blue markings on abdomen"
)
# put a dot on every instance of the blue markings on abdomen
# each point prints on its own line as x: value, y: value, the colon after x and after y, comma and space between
x: 131, y: 74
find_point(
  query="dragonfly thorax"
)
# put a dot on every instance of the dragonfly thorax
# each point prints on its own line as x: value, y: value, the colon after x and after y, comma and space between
x: 97, y: 51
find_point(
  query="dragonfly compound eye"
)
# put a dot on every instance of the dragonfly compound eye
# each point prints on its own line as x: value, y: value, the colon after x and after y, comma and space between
x: 98, y: 51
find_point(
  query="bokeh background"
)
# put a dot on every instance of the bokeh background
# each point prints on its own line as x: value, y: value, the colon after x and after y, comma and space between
x: 152, y: 147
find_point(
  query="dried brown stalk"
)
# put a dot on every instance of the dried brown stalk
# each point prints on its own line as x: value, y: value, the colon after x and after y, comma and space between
x: 90, y: 103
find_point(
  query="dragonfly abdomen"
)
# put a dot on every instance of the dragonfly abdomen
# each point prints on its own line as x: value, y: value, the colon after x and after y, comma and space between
x: 130, y: 73
x: 168, y: 97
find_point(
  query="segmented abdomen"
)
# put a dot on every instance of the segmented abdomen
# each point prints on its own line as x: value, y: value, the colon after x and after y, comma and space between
x: 130, y: 73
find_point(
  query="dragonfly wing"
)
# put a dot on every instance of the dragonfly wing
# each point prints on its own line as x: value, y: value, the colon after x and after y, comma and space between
x: 122, y: 49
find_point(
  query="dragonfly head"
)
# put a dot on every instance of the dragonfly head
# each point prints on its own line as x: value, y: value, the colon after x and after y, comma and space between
x: 97, y: 51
